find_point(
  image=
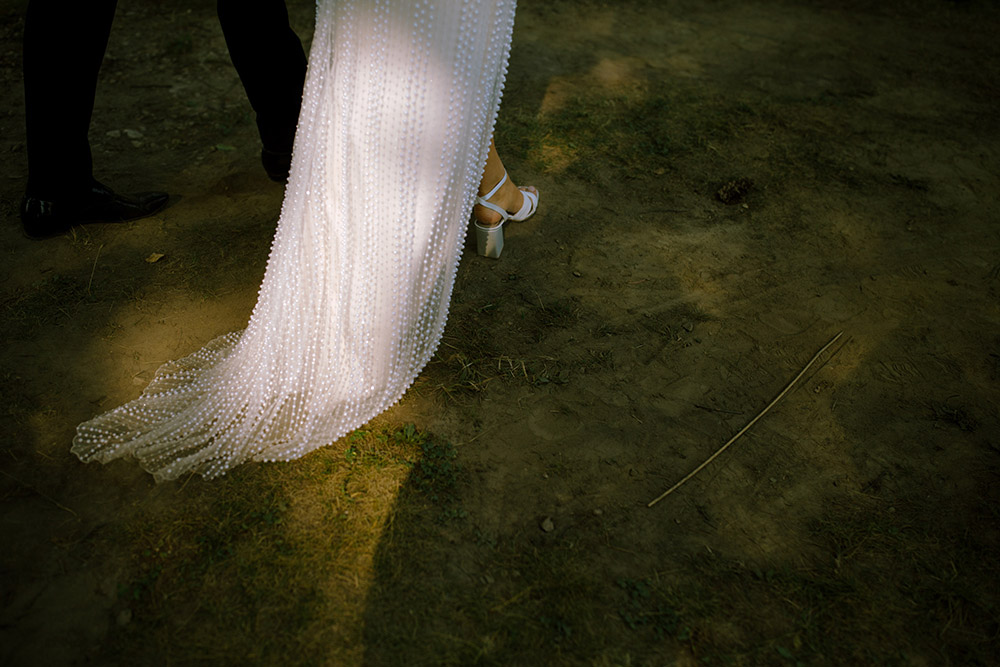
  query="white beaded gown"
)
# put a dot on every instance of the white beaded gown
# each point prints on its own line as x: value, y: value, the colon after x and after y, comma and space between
x: 397, y: 114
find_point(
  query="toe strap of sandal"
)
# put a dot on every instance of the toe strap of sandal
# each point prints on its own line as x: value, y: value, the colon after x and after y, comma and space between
x: 529, y: 205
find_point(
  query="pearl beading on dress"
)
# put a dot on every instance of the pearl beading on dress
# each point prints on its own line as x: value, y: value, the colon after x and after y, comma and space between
x: 400, y: 101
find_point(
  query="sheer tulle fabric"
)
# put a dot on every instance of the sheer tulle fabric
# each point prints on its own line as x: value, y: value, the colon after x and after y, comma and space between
x: 399, y: 105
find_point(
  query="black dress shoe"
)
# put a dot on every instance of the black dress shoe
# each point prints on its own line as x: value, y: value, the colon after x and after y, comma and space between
x: 277, y: 164
x: 44, y: 218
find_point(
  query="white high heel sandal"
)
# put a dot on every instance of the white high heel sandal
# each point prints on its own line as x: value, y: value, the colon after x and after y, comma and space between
x: 489, y: 240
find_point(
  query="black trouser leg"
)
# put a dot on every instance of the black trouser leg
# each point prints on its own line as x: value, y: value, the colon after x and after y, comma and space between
x: 64, y: 44
x: 269, y: 58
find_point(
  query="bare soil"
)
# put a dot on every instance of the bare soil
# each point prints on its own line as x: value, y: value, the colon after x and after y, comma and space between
x: 725, y: 186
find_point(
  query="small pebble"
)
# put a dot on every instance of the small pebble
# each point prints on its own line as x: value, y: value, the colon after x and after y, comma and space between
x: 547, y: 525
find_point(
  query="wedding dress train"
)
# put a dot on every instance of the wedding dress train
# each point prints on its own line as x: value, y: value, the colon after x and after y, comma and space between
x: 397, y: 114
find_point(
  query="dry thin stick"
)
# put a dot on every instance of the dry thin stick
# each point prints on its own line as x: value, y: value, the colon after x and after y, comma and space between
x: 46, y: 497
x: 94, y: 268
x: 752, y: 421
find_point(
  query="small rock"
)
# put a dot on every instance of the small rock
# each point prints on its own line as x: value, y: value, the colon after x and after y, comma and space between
x: 114, y: 134
x: 547, y: 525
x: 133, y: 134
x: 734, y: 191
x: 598, y: 512
x: 688, y: 326
x: 124, y: 617
x: 577, y: 274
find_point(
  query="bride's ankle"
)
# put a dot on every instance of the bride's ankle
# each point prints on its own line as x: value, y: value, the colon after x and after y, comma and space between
x: 508, y: 197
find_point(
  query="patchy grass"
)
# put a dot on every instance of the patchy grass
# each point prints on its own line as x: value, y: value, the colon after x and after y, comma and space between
x: 370, y: 544
x: 272, y: 560
x: 53, y: 299
x: 394, y: 546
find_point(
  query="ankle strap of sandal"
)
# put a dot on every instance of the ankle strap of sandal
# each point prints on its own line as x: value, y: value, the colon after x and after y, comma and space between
x: 495, y: 188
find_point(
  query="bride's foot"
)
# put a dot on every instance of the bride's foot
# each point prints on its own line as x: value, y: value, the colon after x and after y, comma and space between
x: 503, y: 202
x: 496, y: 203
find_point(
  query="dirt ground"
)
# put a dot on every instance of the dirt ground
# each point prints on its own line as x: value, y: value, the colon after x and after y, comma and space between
x: 725, y: 187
